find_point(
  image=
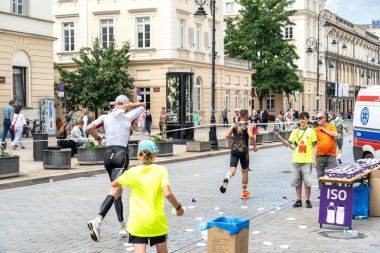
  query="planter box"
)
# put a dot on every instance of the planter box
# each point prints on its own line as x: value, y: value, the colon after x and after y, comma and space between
x: 56, y: 159
x: 132, y: 149
x: 9, y: 166
x: 259, y: 139
x: 198, y: 146
x: 267, y: 137
x: 164, y: 149
x: 225, y: 143
x: 91, y: 155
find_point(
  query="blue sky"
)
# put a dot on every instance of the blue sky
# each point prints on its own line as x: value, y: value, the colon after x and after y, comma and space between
x: 355, y: 11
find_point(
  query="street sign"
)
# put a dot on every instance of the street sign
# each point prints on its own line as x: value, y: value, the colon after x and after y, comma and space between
x: 61, y: 94
x: 61, y: 86
x: 138, y: 91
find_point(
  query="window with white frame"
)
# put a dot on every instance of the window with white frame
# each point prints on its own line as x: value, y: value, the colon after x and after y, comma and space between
x: 143, y: 32
x: 288, y: 32
x: 236, y: 100
x: 270, y: 102
x: 68, y: 37
x: 106, y: 32
x: 197, y: 95
x: 18, y: 7
x: 227, y: 100
x: 182, y: 33
x: 198, y: 37
x: 230, y: 6
x: 244, y: 100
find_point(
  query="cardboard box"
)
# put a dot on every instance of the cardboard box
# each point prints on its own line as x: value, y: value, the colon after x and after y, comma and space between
x: 220, y: 241
x: 374, y: 196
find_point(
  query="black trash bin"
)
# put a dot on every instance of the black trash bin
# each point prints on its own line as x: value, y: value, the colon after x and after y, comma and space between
x: 40, y: 143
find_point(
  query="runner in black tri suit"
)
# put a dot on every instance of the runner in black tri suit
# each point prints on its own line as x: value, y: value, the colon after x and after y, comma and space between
x: 242, y: 133
x: 117, y: 125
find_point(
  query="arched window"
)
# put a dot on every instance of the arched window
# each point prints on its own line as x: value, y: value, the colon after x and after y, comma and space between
x: 197, y: 95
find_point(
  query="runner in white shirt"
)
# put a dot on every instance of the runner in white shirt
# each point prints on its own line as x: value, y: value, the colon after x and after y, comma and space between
x: 117, y: 126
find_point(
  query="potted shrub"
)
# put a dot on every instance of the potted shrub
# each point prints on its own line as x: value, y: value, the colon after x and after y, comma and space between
x: 198, y: 146
x: 165, y: 146
x: 9, y: 164
x: 91, y: 153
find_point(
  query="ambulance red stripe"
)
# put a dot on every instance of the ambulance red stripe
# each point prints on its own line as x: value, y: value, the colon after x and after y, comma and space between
x: 368, y: 98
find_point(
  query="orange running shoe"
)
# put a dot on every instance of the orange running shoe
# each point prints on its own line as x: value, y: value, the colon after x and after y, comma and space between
x: 245, y: 194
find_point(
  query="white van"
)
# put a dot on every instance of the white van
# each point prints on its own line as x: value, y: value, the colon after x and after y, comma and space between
x: 367, y: 123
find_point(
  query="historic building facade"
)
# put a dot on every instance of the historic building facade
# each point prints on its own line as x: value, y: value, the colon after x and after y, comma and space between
x: 170, y: 48
x: 26, y: 54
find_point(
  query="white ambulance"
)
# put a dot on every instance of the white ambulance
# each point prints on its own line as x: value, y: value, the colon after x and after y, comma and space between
x: 367, y: 123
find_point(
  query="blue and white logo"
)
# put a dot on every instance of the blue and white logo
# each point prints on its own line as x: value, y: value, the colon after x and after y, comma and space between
x: 364, y: 116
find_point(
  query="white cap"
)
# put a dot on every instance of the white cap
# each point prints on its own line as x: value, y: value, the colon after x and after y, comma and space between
x: 122, y: 99
x: 237, y: 109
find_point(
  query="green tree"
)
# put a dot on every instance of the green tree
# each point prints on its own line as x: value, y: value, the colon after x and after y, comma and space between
x: 100, y: 76
x: 256, y: 35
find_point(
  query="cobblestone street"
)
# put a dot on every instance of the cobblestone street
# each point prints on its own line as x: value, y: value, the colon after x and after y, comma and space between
x: 52, y: 217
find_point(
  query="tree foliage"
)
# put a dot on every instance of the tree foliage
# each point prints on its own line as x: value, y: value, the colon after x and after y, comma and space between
x: 256, y: 35
x: 101, y: 75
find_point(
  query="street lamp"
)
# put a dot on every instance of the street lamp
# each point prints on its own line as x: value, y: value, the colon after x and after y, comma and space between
x: 202, y: 13
x: 311, y: 42
x: 372, y: 56
x: 336, y: 40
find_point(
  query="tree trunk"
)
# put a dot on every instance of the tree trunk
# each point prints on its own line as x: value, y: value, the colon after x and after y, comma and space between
x: 261, y: 103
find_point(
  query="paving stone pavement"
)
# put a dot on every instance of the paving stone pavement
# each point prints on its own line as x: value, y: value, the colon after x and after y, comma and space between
x: 52, y: 217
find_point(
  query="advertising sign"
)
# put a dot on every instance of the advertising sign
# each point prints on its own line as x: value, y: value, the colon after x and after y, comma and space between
x: 335, y: 206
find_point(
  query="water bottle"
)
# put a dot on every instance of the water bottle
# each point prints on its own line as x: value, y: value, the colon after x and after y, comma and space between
x: 331, y: 210
x: 340, y: 215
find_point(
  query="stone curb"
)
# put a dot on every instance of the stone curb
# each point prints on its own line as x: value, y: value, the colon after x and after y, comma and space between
x: 88, y: 173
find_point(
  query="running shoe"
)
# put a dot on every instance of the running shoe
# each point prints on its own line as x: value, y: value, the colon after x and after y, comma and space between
x: 339, y: 161
x: 245, y: 194
x: 308, y: 204
x: 223, y: 188
x: 123, y: 230
x: 95, y: 229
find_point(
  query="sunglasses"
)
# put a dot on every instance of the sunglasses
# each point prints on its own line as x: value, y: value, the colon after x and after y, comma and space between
x: 319, y: 118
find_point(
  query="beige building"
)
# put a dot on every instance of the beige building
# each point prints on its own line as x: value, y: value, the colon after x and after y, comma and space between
x: 356, y: 64
x: 170, y: 51
x: 26, y: 54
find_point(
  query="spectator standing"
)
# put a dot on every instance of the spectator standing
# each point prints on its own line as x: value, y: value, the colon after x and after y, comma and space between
x: 302, y: 141
x: 288, y: 119
x: 87, y: 119
x: 18, y: 123
x: 225, y: 117
x: 265, y: 119
x: 295, y: 116
x: 148, y: 121
x: 237, y: 116
x: 255, y: 119
x: 280, y: 119
x: 141, y: 123
x: 162, y: 121
x: 8, y: 112
x: 326, y: 151
x: 340, y: 126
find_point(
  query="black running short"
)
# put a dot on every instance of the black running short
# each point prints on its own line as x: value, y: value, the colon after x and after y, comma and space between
x: 239, y: 154
x: 116, y: 161
x: 144, y: 240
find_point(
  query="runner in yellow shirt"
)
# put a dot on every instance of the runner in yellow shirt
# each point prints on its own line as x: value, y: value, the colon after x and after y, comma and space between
x: 303, y: 142
x: 149, y: 184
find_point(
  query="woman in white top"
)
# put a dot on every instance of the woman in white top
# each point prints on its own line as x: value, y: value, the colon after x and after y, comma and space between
x: 18, y: 124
